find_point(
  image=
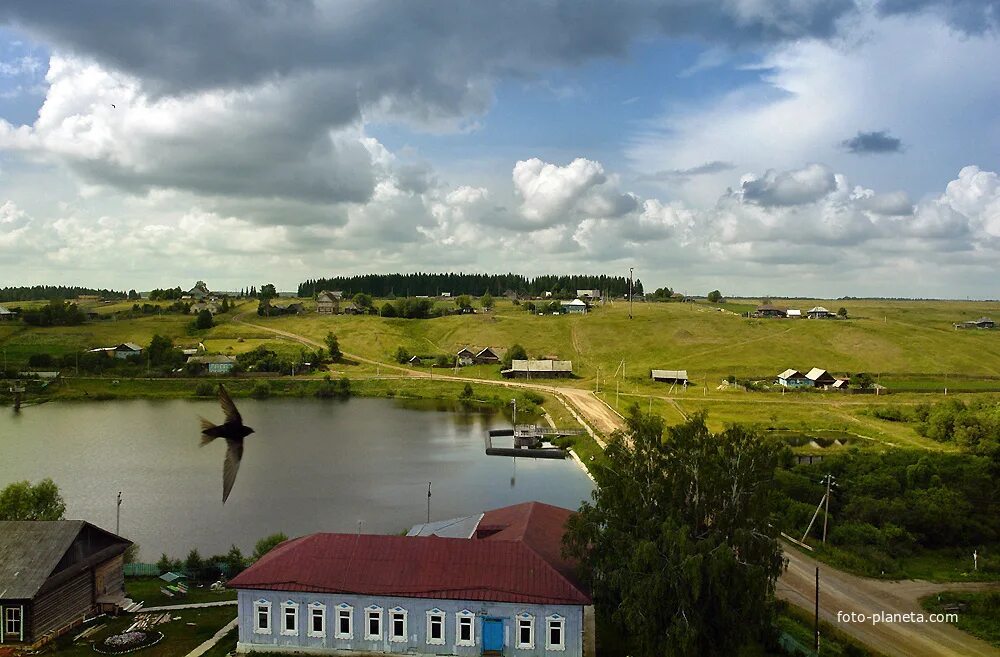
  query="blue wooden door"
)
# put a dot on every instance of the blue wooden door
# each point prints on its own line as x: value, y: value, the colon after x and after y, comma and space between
x: 492, y: 635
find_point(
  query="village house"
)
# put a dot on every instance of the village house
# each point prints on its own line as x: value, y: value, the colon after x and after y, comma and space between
x: 7, y: 315
x: 819, y: 312
x: 351, y: 309
x: 121, y: 351
x: 574, y: 307
x: 840, y: 384
x: 981, y: 323
x: 539, y: 369
x: 215, y: 364
x: 201, y: 305
x: 328, y: 303
x: 491, y: 584
x: 670, y: 376
x: 768, y: 310
x: 794, y: 379
x: 486, y: 356
x: 465, y: 356
x: 820, y: 378
x: 589, y: 294
x: 199, y: 291
x: 54, y: 574
x: 415, y: 361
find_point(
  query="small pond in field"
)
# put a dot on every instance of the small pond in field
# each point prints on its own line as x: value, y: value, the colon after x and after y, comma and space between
x: 312, y: 465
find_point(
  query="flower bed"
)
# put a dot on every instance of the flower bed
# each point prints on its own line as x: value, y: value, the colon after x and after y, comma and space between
x: 119, y: 644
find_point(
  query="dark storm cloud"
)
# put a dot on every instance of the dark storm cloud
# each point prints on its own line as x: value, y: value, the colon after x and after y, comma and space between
x: 421, y: 48
x: 869, y: 143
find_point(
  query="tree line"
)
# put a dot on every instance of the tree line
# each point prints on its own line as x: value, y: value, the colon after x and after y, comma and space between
x: 48, y: 292
x: 428, y: 284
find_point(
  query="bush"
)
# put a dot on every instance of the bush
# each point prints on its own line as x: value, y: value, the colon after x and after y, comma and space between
x: 890, y: 413
x: 534, y: 397
x: 262, y: 390
x: 402, y: 355
x: 205, y: 389
x: 40, y: 360
x: 467, y: 392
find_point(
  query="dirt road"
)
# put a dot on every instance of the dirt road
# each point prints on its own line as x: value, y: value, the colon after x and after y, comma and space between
x: 839, y: 591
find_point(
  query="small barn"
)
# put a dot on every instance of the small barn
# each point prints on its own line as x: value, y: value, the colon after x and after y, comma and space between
x: 539, y: 369
x: 793, y: 313
x: 127, y: 350
x: 415, y: 361
x: 819, y: 312
x: 7, y: 315
x: 840, y: 384
x: 794, y: 379
x: 465, y: 356
x: 820, y: 378
x: 486, y: 357
x: 328, y: 303
x: 767, y: 310
x: 54, y: 574
x: 670, y: 376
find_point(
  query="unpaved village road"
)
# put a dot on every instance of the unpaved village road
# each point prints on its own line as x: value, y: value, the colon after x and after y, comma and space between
x: 839, y: 591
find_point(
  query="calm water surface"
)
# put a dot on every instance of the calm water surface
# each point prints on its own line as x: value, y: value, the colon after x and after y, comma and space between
x: 313, y: 465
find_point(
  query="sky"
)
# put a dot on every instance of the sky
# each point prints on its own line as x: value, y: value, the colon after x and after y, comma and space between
x: 818, y: 148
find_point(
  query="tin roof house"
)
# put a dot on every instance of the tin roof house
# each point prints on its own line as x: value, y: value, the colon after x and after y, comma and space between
x: 794, y: 379
x: 820, y: 377
x: 494, y: 583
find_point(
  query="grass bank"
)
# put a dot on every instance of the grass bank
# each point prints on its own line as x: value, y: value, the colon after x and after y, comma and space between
x: 978, y: 613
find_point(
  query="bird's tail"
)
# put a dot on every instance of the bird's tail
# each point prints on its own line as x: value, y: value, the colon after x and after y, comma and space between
x: 206, y: 426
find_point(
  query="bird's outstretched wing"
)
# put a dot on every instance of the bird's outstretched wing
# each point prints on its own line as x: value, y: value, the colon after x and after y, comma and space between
x: 228, y: 407
x: 234, y: 454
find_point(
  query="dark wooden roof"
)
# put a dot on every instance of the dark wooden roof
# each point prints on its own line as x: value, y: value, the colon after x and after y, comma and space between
x: 34, y: 550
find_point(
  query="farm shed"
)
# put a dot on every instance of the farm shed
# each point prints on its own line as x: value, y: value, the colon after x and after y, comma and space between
x: 53, y: 574
x: 670, y: 376
x: 540, y: 369
x: 794, y: 313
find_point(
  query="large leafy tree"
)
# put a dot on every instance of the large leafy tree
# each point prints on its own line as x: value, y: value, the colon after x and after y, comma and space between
x: 267, y: 544
x: 678, y: 544
x: 23, y: 501
x: 333, y: 345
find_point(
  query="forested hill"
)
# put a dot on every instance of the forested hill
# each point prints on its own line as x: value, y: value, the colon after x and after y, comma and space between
x: 402, y: 285
x: 49, y: 292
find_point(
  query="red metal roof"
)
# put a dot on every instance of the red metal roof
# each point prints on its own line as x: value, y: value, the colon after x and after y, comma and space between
x: 519, y: 562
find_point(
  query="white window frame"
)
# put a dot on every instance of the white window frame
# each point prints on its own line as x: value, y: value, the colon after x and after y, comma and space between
x: 373, y: 611
x: 341, y: 608
x: 524, y: 617
x: 465, y: 614
x: 310, y: 630
x: 259, y: 606
x: 13, y: 615
x: 392, y: 625
x: 436, y: 613
x: 550, y: 622
x: 290, y: 605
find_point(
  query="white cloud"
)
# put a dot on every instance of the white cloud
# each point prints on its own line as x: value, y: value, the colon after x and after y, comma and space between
x: 552, y: 194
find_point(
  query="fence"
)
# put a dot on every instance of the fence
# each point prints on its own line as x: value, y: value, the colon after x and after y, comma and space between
x: 207, y: 571
x: 142, y: 570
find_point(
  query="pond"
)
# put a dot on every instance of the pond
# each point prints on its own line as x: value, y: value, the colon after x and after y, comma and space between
x: 311, y: 466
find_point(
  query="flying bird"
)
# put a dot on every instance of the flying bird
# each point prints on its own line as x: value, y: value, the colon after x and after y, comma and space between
x: 234, y: 431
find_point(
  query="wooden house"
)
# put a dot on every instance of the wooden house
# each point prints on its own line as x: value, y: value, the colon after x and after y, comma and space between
x: 840, y: 384
x: 820, y: 378
x: 416, y: 361
x: 794, y: 379
x: 588, y: 294
x: 768, y: 310
x: 819, y: 312
x: 492, y: 584
x: 7, y: 314
x: 199, y: 291
x: 574, y: 307
x: 127, y: 350
x: 328, y: 303
x: 215, y: 364
x: 486, y: 357
x: 54, y: 574
x: 465, y: 356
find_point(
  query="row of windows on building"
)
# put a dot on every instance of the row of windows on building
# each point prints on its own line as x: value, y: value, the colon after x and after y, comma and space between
x: 436, y: 625
x: 12, y: 628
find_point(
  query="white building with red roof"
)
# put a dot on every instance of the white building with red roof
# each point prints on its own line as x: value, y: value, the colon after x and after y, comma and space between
x: 493, y: 584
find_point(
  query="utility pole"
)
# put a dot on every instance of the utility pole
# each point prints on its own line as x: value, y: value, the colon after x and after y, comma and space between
x: 514, y: 404
x: 428, y: 501
x: 826, y: 511
x: 118, y: 514
x: 631, y: 292
x: 816, y: 617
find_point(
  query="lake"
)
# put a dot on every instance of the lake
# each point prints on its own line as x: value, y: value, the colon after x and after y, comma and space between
x: 312, y: 465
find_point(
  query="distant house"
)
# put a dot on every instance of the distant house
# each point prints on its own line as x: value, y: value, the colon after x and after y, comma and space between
x: 199, y: 291
x: 486, y: 357
x: 92, y: 314
x: 328, y: 303
x: 351, y: 309
x: 767, y: 310
x: 492, y: 584
x: 202, y: 305
x: 981, y: 323
x: 546, y: 295
x: 794, y: 379
x: 465, y: 356
x: 670, y: 376
x: 7, y: 315
x: 53, y: 575
x: 415, y: 360
x: 127, y: 350
x: 840, y: 384
x: 292, y: 309
x: 819, y: 312
x: 793, y: 313
x: 820, y: 378
x: 215, y: 364
x: 588, y: 294
x: 574, y: 307
x: 541, y: 369
x: 446, y: 295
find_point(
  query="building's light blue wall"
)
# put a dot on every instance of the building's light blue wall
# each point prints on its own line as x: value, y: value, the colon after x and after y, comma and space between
x: 417, y: 609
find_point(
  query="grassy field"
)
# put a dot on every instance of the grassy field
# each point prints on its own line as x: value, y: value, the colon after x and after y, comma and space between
x: 979, y: 613
x: 147, y: 590
x: 192, y: 628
